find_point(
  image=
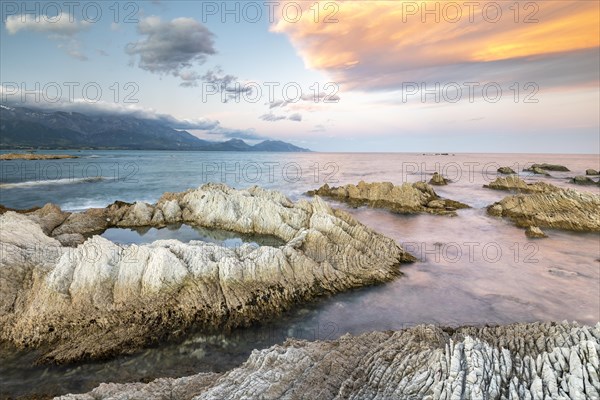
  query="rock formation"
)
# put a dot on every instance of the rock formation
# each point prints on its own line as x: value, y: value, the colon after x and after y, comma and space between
x: 537, y: 171
x: 516, y: 184
x: 519, y: 361
x: 406, y: 198
x: 101, y: 299
x: 438, y: 180
x: 591, y: 172
x: 548, y: 167
x: 535, y: 233
x: 583, y: 180
x: 32, y: 156
x: 506, y: 170
x: 562, y: 209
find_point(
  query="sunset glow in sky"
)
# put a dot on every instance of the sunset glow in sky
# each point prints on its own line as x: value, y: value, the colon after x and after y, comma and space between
x: 465, y: 76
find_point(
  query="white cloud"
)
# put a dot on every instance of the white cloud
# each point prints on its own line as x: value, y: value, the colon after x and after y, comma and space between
x: 62, y: 24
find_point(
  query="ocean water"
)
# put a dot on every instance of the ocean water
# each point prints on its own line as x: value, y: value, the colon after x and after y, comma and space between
x: 472, y: 269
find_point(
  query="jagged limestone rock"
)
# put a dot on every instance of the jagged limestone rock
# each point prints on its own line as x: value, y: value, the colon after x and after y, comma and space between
x: 519, y: 361
x: 70, y: 239
x: 514, y: 183
x: 537, y: 171
x: 48, y: 217
x: 562, y: 209
x: 438, y: 180
x: 583, y: 180
x: 548, y: 167
x: 535, y: 232
x: 102, y: 299
x: 406, y: 198
x: 506, y: 170
x: 139, y: 214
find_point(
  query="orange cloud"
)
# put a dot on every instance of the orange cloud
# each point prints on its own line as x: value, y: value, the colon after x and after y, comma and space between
x: 379, y: 43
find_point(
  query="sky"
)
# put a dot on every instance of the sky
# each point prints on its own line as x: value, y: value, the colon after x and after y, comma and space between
x: 358, y: 76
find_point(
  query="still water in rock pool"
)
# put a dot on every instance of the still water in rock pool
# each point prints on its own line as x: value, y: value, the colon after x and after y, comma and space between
x: 185, y: 233
x: 472, y: 268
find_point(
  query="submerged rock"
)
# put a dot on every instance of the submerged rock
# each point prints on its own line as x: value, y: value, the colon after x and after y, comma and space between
x: 514, y: 183
x: 561, y: 209
x: 506, y: 170
x: 537, y: 171
x: 102, y: 299
x: 438, y: 180
x: 548, y: 167
x: 591, y: 172
x: 407, y: 198
x: 583, y: 180
x: 534, y: 232
x: 519, y: 361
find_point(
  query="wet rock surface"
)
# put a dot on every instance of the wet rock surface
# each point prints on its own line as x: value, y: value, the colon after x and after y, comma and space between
x: 535, y: 233
x: 438, y: 180
x: 537, y: 171
x: 516, y: 184
x: 406, y: 198
x: 560, y: 209
x: 583, y: 180
x: 548, y: 167
x: 101, y: 299
x: 519, y: 361
x: 506, y: 170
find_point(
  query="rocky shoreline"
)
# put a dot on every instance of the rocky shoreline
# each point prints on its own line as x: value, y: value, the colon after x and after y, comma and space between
x: 102, y: 299
x: 516, y: 184
x: 409, y: 198
x: 548, y: 206
x: 31, y: 156
x: 77, y: 296
x: 525, y: 361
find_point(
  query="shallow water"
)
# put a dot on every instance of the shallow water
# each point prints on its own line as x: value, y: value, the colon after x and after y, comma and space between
x: 185, y: 233
x: 473, y: 269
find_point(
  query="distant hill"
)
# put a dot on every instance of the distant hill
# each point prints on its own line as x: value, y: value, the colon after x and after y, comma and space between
x: 22, y: 127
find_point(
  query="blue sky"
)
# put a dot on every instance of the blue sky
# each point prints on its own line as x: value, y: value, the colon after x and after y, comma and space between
x: 370, y: 60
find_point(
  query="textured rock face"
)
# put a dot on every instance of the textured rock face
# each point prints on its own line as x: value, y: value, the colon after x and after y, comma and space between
x: 514, y: 183
x: 102, y: 299
x: 548, y: 167
x: 407, y: 198
x: 438, y: 180
x: 506, y: 170
x: 521, y: 361
x: 537, y: 171
x: 583, y: 180
x: 591, y: 172
x: 562, y: 209
x: 535, y: 233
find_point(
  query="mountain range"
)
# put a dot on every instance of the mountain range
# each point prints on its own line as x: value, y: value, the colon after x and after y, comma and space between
x: 22, y: 127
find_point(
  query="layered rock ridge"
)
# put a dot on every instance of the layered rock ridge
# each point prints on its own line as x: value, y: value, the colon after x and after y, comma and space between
x: 547, y: 206
x: 518, y: 361
x: 101, y: 299
x: 515, y: 184
x: 408, y: 198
